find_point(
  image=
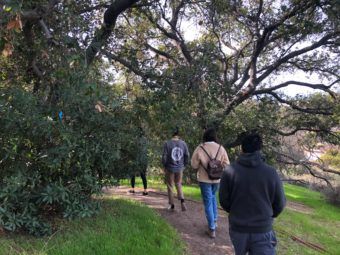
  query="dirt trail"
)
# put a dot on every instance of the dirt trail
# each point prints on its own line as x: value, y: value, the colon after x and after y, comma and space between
x: 190, y: 224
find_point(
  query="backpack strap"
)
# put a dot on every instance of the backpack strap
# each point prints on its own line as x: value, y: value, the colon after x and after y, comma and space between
x: 207, y: 155
x: 206, y: 152
x: 218, y: 151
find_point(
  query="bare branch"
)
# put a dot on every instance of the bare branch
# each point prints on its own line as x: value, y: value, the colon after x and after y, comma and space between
x: 175, y: 13
x: 274, y: 66
x: 294, y: 131
x: 306, y: 110
x: 174, y: 34
x: 305, y: 164
x: 294, y: 11
x: 36, y: 69
x: 304, y: 84
x: 102, y: 34
x: 323, y: 168
x: 45, y: 29
x: 239, y: 53
x: 223, y: 59
x: 259, y: 11
x: 313, y: 68
x: 162, y: 53
x: 144, y: 75
x: 162, y: 29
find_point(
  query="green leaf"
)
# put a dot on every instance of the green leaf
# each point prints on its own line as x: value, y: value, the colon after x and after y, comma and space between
x: 7, y: 8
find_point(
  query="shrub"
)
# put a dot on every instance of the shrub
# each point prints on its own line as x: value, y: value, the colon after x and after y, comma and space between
x: 332, y: 195
x: 332, y: 157
x: 53, y: 166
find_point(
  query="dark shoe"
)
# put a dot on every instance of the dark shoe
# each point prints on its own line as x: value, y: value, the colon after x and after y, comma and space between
x: 183, y: 206
x: 145, y: 193
x: 211, y: 233
x: 132, y: 191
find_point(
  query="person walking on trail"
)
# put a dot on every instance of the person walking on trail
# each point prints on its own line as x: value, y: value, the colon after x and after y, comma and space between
x: 204, y: 152
x: 141, y: 162
x: 144, y: 180
x: 174, y: 159
x: 252, y: 193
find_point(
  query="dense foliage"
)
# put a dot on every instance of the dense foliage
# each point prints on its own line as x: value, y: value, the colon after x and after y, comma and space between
x: 56, y: 156
x: 54, y: 165
x: 332, y: 158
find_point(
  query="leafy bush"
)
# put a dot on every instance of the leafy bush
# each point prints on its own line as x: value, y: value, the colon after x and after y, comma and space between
x: 332, y: 157
x: 53, y: 166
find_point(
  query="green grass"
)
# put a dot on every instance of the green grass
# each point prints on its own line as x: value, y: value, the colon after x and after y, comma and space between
x: 190, y: 191
x: 314, y: 200
x: 320, y: 225
x: 123, y: 227
x: 127, y: 227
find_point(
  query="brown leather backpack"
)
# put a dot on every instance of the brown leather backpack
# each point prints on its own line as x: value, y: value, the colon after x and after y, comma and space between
x: 214, y: 168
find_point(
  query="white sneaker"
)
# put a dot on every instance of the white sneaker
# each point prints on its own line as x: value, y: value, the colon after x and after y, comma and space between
x: 171, y: 208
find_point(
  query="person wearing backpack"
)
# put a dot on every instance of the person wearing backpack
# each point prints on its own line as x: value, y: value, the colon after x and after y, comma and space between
x: 174, y: 159
x: 209, y: 159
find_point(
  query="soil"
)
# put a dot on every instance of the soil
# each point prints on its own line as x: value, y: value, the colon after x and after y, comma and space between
x: 191, y: 224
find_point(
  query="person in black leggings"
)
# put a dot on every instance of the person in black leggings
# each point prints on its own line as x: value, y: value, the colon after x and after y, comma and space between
x: 145, y: 183
x: 142, y: 162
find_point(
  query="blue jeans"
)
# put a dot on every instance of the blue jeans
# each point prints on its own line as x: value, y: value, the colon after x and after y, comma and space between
x: 208, y: 191
x: 254, y: 243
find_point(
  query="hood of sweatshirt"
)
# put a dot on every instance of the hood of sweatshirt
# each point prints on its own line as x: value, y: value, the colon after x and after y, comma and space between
x: 250, y: 159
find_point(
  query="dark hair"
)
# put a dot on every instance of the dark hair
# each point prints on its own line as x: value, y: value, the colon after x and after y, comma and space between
x: 210, y: 135
x: 251, y: 143
x: 175, y: 131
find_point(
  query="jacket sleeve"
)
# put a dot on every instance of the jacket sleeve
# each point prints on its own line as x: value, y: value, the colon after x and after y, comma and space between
x: 165, y: 155
x: 225, y: 190
x: 225, y: 158
x: 195, y: 161
x: 279, y: 199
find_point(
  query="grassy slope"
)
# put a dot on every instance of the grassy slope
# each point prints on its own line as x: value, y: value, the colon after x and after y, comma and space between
x: 126, y: 227
x: 123, y: 227
x: 320, y: 226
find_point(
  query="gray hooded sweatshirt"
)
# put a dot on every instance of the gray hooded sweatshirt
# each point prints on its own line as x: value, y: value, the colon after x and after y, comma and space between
x: 252, y: 193
x: 175, y: 155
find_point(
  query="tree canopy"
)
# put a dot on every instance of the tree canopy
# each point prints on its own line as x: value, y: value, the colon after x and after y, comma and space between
x: 79, y: 79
